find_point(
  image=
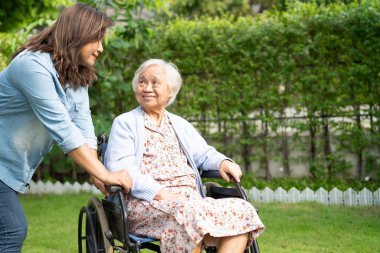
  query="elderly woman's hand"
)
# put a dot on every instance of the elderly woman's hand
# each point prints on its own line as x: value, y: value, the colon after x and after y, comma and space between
x: 167, y: 195
x: 227, y: 167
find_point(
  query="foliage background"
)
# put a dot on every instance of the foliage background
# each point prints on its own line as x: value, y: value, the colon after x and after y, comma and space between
x: 297, y: 84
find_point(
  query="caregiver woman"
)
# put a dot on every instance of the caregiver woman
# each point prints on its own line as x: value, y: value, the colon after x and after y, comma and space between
x: 44, y: 100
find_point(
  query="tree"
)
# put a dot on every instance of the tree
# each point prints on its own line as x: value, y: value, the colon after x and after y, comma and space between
x: 18, y: 14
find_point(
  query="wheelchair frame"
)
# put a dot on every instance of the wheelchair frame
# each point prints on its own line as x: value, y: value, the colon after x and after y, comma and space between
x: 106, y: 222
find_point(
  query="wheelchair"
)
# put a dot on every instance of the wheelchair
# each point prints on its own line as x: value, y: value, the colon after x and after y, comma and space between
x: 103, y: 224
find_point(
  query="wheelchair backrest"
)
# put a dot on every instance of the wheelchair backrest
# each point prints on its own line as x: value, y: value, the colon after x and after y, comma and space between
x: 102, y: 146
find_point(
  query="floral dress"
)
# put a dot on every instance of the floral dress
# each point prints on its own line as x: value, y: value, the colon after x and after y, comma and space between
x: 181, y: 224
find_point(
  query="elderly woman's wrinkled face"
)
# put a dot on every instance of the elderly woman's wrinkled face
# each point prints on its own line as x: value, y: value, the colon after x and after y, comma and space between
x: 152, y: 91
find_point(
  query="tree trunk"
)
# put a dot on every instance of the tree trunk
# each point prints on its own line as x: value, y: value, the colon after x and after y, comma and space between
x: 359, y: 153
x: 284, y: 145
x: 38, y: 174
x: 313, y: 145
x: 225, y: 136
x: 203, y: 129
x: 245, y: 147
x: 265, y: 161
x: 359, y: 149
x: 74, y: 173
x: 327, y: 146
x: 372, y: 127
x: 285, y: 153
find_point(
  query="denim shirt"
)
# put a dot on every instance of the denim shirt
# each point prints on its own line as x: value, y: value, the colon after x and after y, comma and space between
x: 35, y: 113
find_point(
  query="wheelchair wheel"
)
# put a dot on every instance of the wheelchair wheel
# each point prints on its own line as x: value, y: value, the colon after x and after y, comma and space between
x: 96, y: 228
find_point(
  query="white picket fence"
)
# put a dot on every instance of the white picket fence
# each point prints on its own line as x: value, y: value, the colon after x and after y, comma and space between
x: 348, y: 197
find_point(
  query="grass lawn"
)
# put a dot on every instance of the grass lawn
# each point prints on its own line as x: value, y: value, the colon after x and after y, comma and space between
x: 305, y: 227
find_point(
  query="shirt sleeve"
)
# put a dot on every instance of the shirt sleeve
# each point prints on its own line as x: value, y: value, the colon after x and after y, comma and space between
x: 121, y: 154
x: 39, y: 87
x: 82, y: 116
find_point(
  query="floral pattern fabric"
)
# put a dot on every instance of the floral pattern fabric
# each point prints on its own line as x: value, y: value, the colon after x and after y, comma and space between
x: 181, y: 224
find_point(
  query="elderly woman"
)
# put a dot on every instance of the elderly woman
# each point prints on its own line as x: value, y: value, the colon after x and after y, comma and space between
x: 162, y: 152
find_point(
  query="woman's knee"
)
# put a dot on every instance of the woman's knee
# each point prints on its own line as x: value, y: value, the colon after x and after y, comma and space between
x: 22, y: 229
x: 13, y: 233
x: 13, y: 223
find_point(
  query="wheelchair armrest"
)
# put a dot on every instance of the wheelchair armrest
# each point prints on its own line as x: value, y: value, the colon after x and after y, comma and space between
x: 216, y: 191
x: 210, y: 174
x: 219, y: 192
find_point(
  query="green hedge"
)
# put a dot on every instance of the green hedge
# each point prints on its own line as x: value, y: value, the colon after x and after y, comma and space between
x: 241, y: 74
x: 249, y: 181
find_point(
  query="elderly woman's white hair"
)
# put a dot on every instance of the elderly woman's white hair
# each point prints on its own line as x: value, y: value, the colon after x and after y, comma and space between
x: 173, y: 77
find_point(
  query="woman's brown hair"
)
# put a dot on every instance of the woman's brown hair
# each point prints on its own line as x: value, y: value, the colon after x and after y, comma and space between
x: 76, y: 26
